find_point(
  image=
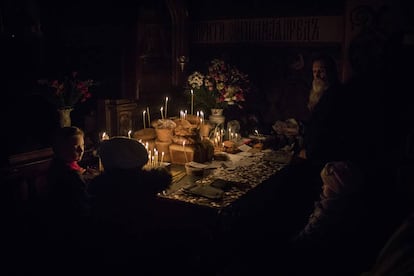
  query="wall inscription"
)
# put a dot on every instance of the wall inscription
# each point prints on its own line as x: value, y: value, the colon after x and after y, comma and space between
x: 283, y: 29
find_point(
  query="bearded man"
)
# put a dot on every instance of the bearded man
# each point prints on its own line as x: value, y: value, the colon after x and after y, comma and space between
x: 323, y: 140
x: 324, y: 74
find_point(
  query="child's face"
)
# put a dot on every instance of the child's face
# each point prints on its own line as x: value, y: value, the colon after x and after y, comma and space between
x: 73, y: 149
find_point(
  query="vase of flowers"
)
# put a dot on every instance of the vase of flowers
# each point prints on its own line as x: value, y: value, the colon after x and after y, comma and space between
x: 217, y: 111
x: 64, y: 116
x: 64, y: 94
x: 222, y: 86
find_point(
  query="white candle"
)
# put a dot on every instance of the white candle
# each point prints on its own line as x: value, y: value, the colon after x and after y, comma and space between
x: 162, y: 157
x: 149, y: 118
x: 155, y: 157
x: 162, y: 114
x: 166, y: 106
x: 202, y: 115
x: 186, y: 160
x: 129, y: 134
x: 143, y: 117
x: 192, y: 102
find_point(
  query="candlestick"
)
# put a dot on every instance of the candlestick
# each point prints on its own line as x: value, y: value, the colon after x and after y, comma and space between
x: 143, y: 117
x: 192, y: 102
x: 149, y: 118
x: 162, y: 114
x: 166, y: 106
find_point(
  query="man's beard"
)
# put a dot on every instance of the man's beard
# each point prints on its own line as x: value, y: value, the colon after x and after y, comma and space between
x: 318, y: 87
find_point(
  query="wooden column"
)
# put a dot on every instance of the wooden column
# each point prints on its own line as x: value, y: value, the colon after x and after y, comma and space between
x: 179, y: 39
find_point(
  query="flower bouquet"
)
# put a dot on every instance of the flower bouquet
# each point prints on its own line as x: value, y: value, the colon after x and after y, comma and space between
x: 223, y: 85
x: 66, y: 93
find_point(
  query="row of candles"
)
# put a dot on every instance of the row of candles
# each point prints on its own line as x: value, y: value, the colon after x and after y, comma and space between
x: 183, y: 115
x: 164, y: 114
x: 154, y: 159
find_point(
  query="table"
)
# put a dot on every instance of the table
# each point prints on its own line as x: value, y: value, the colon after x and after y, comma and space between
x: 247, y: 169
x: 219, y: 229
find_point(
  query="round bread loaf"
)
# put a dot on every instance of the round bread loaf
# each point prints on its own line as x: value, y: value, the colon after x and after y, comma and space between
x: 145, y: 134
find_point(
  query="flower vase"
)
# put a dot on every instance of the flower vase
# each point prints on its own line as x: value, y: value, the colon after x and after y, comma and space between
x: 64, y: 116
x: 217, y: 111
x: 216, y: 116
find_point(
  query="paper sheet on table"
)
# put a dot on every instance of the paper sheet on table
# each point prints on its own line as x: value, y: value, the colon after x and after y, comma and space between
x: 245, y: 154
x: 196, y: 165
x: 244, y: 148
x: 216, y: 164
x: 235, y: 158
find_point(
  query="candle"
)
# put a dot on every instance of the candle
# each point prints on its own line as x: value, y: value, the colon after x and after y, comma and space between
x: 166, y: 106
x: 104, y: 136
x: 129, y: 134
x: 202, y: 115
x: 186, y: 160
x: 155, y: 157
x: 162, y: 158
x: 192, y: 102
x: 162, y: 114
x: 143, y: 117
x: 149, y: 118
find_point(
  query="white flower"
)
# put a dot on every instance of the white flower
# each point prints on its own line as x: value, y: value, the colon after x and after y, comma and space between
x: 195, y: 80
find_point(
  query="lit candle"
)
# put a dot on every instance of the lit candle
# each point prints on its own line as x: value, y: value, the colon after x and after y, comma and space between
x: 155, y: 157
x: 104, y: 136
x: 149, y: 118
x: 162, y: 114
x: 192, y: 102
x: 129, y: 134
x: 166, y: 106
x: 186, y: 160
x: 143, y: 117
x: 162, y: 158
